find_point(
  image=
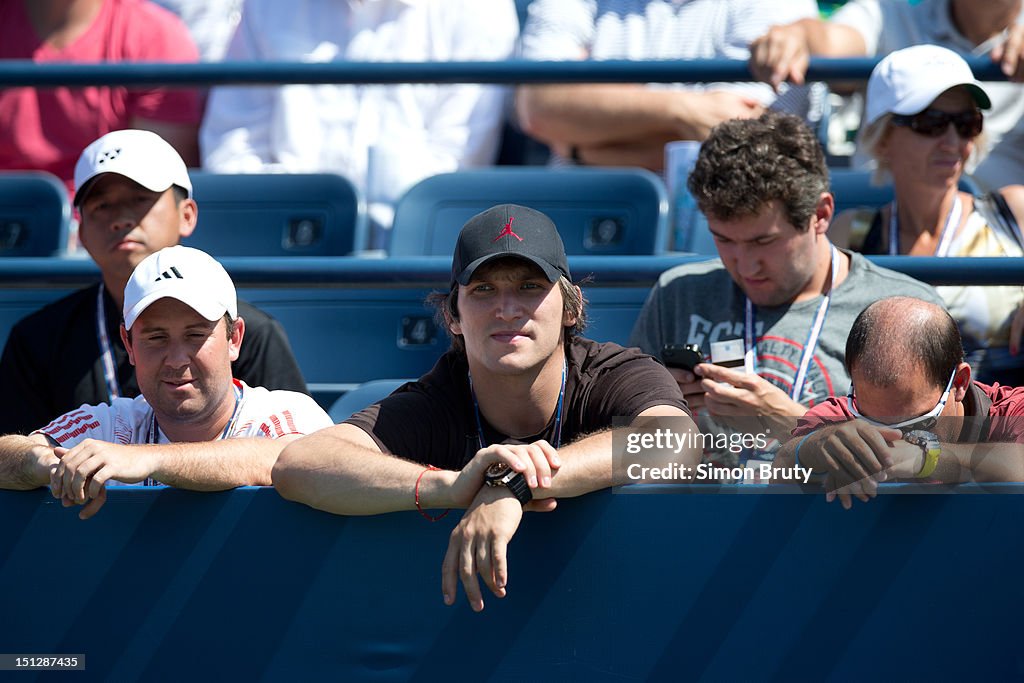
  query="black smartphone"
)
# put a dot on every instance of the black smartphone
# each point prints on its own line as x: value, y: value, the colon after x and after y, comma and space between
x: 681, y: 356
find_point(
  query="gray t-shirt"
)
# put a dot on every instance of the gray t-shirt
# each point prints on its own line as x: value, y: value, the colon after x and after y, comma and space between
x: 698, y: 303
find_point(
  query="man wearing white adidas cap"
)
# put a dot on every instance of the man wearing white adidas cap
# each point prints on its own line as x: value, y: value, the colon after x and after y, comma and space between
x: 135, y: 197
x: 201, y: 429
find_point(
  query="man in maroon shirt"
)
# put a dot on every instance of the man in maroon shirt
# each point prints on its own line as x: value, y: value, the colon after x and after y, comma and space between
x: 913, y: 413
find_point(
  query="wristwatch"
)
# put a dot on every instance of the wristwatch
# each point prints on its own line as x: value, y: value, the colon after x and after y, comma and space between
x: 929, y: 443
x: 500, y: 474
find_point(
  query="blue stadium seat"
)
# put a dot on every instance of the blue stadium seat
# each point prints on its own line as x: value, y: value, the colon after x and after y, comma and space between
x: 597, y: 211
x: 35, y: 214
x: 320, y: 214
x: 853, y: 190
x: 363, y: 395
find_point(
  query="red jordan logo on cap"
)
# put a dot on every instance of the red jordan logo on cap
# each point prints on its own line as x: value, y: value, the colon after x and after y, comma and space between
x: 508, y: 231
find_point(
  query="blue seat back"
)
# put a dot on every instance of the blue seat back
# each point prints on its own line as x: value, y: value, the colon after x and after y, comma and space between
x: 362, y: 396
x: 853, y: 190
x: 319, y: 214
x: 35, y: 214
x: 597, y: 211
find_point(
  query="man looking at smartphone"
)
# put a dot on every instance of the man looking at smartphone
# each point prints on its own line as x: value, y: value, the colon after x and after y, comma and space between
x: 779, y: 289
x: 521, y: 407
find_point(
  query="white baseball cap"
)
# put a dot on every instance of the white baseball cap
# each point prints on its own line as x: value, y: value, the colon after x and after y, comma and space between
x: 908, y: 80
x: 191, y: 276
x: 140, y: 155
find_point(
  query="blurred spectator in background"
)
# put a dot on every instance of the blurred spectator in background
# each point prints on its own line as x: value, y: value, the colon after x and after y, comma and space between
x: 47, y: 128
x: 877, y: 27
x: 628, y: 124
x: 383, y: 138
x: 135, y: 198
x: 922, y: 124
x: 211, y: 23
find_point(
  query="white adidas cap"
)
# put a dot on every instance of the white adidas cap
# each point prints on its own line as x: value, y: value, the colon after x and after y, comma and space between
x: 139, y: 155
x: 191, y: 276
x: 907, y: 81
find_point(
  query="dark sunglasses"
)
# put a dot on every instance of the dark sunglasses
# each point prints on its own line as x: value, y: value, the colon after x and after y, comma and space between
x: 933, y: 123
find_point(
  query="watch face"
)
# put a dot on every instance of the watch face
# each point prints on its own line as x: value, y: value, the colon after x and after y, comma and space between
x: 919, y: 437
x: 922, y: 438
x: 497, y: 471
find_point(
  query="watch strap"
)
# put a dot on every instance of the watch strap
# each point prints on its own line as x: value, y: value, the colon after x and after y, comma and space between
x: 931, y: 447
x: 519, y: 488
x: 931, y: 460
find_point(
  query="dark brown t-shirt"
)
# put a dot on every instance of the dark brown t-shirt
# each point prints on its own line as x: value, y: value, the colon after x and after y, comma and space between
x: 431, y: 420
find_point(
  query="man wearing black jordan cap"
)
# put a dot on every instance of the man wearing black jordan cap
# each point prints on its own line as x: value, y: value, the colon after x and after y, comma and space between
x: 519, y: 393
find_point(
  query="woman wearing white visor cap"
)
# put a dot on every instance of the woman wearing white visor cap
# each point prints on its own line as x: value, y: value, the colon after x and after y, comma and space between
x: 924, y: 124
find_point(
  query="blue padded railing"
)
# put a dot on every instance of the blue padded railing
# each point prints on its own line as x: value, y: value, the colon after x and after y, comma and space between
x: 26, y: 72
x: 435, y: 271
x: 175, y: 585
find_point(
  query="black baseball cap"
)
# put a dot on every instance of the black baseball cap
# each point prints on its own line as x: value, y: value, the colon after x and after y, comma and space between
x: 509, y: 230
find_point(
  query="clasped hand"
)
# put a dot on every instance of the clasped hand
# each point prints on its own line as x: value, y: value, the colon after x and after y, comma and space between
x: 858, y: 456
x: 479, y: 543
x: 81, y: 476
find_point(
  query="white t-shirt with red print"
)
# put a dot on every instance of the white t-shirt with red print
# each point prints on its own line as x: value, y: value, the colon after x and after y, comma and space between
x: 258, y: 412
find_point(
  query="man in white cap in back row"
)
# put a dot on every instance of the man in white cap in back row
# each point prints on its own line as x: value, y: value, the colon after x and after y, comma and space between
x: 194, y: 426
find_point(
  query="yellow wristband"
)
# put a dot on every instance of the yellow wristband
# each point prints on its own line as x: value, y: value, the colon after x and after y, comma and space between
x: 931, y: 461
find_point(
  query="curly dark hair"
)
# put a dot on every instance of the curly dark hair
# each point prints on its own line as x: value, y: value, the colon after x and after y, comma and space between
x: 746, y: 163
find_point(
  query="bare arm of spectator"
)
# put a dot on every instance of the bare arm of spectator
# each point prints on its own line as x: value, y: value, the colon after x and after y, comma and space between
x: 1010, y: 53
x: 81, y: 476
x: 342, y: 470
x: 963, y: 462
x: 26, y: 461
x: 784, y: 52
x: 201, y: 466
x: 600, y: 119
x: 856, y: 456
x: 958, y: 463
